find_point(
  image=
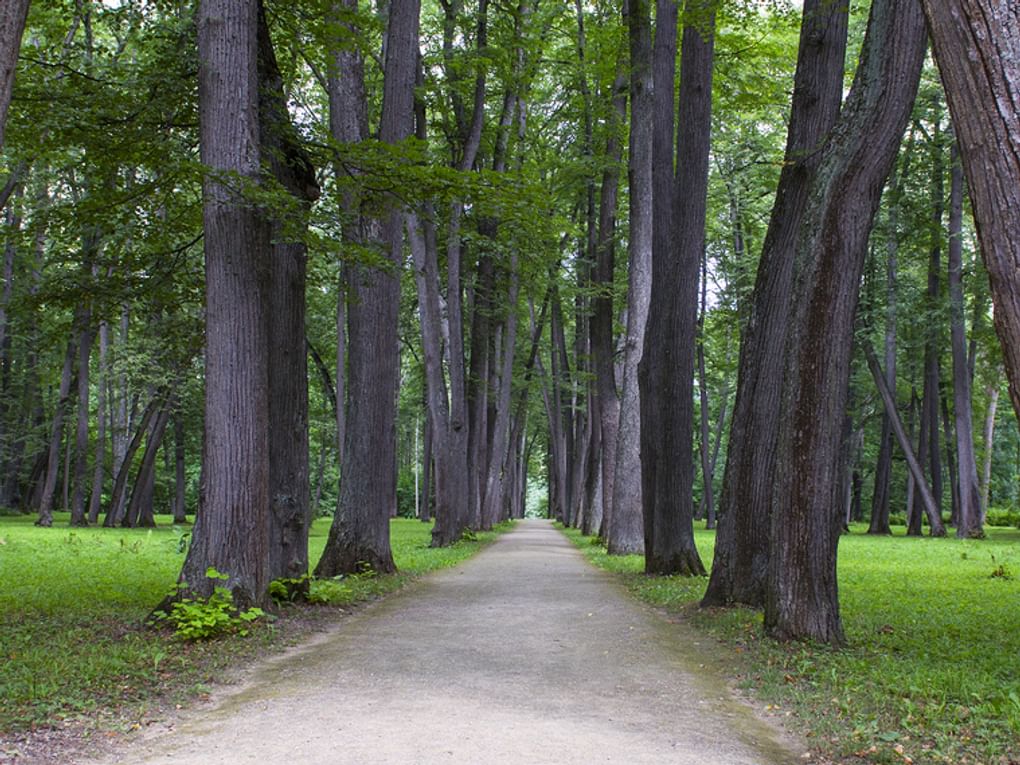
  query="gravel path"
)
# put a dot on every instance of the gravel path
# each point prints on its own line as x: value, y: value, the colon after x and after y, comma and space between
x: 524, y: 654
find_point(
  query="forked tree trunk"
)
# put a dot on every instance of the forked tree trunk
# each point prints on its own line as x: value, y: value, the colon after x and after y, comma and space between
x: 801, y: 595
x: 667, y: 365
x: 359, y: 536
x: 740, y: 566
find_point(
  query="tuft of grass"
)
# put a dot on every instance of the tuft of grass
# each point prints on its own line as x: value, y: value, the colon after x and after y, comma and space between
x: 931, y: 670
x: 73, y: 646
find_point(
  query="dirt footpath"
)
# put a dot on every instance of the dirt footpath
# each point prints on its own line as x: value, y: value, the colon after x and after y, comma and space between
x: 524, y: 654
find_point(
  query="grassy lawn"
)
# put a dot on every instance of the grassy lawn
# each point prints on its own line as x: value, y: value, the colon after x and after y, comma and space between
x: 72, y: 601
x: 932, y: 674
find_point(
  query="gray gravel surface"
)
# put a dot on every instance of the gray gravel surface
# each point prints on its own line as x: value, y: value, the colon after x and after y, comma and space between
x: 524, y: 654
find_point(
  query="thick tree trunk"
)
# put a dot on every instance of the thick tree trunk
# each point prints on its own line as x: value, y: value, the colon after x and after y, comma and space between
x: 740, y: 566
x: 359, y: 537
x: 627, y: 513
x: 977, y: 47
x: 970, y: 520
x: 801, y: 595
x: 667, y: 366
x: 231, y: 532
x: 290, y: 513
x: 56, y: 433
x: 13, y: 14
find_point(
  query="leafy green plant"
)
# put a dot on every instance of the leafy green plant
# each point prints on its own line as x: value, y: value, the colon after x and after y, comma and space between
x: 204, y: 618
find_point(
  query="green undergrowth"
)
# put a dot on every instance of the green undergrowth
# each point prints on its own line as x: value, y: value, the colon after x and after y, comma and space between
x: 73, y: 646
x: 931, y: 674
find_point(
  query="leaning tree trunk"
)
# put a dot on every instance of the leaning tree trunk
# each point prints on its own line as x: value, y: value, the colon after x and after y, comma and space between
x: 977, y: 47
x: 79, y: 512
x: 118, y: 498
x: 801, y: 595
x: 740, y: 566
x: 359, y: 536
x: 988, y: 447
x: 231, y: 532
x: 139, y: 509
x: 13, y: 14
x: 290, y: 515
x: 969, y: 521
x: 667, y: 366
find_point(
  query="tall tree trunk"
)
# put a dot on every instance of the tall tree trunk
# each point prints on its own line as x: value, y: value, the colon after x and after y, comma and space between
x: 99, y: 472
x: 116, y: 512
x: 801, y: 595
x: 627, y: 513
x: 79, y: 516
x: 290, y: 514
x: 740, y: 566
x: 623, y: 535
x: 987, y: 444
x: 359, y: 536
x: 707, y: 468
x: 970, y: 520
x: 977, y: 47
x: 231, y: 532
x: 56, y: 434
x: 180, y: 508
x: 13, y: 15
x: 880, y: 499
x: 667, y: 366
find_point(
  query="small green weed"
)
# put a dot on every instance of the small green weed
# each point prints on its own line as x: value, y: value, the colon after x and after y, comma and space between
x: 206, y: 618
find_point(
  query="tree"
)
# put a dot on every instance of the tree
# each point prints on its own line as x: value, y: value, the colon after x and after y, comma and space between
x: 231, y: 531
x: 801, y: 595
x: 741, y: 558
x: 359, y: 536
x: 667, y: 366
x: 977, y: 47
x: 13, y: 15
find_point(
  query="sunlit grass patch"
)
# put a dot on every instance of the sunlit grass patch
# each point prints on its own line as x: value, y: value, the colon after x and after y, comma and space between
x: 932, y: 672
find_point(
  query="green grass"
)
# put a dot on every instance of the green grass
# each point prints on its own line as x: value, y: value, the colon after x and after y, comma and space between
x: 933, y: 668
x: 72, y: 603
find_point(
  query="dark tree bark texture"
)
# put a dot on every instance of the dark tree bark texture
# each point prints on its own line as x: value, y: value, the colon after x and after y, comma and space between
x: 977, y: 48
x: 667, y: 366
x: 231, y: 530
x: 740, y: 565
x: 801, y: 595
x: 13, y: 14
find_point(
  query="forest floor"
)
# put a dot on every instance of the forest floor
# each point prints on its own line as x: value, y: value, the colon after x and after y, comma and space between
x: 525, y: 653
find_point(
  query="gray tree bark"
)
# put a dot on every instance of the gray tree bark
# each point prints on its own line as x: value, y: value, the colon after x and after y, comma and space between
x: 231, y: 532
x: 969, y: 521
x: 667, y: 366
x: 801, y: 595
x: 740, y: 566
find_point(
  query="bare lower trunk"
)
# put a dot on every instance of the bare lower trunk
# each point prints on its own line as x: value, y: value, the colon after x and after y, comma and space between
x: 988, y: 447
x: 13, y: 14
x: 56, y: 432
x: 180, y: 483
x: 79, y: 512
x: 96, y: 499
x: 139, y: 510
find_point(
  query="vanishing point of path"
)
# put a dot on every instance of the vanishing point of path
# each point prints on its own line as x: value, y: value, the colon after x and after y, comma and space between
x: 525, y: 654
